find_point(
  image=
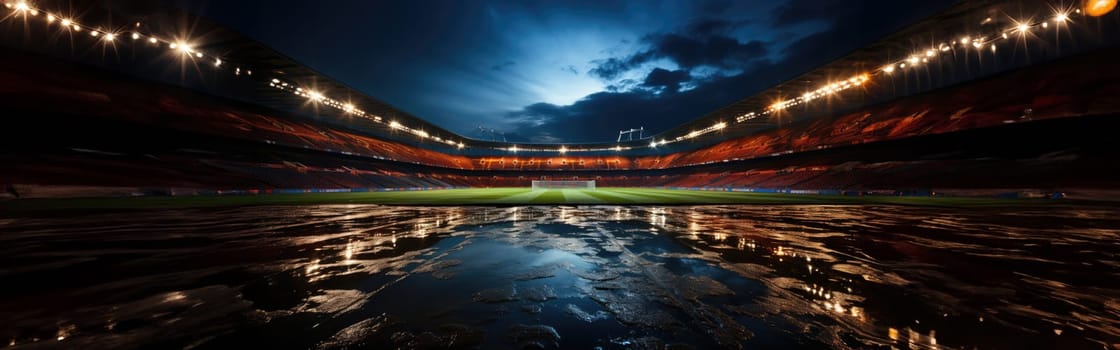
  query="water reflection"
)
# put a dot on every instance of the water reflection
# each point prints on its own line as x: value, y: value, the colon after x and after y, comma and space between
x: 570, y: 277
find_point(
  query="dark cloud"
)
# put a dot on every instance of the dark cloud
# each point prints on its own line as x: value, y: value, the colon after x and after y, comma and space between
x: 599, y: 116
x: 501, y: 66
x: 541, y: 113
x: 611, y: 68
x: 716, y: 51
x: 700, y: 43
x: 626, y: 105
x: 570, y: 69
x: 584, y: 120
x: 663, y: 80
x: 712, y: 26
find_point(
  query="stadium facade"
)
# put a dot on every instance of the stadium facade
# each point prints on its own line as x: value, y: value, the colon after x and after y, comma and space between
x: 986, y: 96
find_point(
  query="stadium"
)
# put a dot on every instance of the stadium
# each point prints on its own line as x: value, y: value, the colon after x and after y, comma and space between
x: 872, y: 201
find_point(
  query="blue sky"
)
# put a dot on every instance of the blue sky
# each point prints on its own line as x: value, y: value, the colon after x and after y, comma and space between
x: 563, y: 71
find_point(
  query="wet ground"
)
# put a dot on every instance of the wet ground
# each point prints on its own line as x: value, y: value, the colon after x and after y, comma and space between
x: 340, y: 276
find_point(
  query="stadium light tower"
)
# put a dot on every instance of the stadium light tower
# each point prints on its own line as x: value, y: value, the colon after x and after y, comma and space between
x: 630, y: 134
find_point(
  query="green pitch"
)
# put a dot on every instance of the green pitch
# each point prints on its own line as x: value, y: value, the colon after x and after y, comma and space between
x: 500, y: 196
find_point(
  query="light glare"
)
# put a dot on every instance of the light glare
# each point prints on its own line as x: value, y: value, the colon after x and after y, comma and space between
x: 1097, y: 8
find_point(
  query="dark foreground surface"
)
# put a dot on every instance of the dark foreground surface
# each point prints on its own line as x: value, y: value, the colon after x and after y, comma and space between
x: 366, y: 276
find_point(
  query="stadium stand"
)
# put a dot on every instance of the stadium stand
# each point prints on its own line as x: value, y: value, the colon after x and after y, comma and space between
x: 193, y: 140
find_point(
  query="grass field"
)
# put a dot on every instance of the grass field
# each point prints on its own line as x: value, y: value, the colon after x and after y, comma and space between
x: 501, y: 196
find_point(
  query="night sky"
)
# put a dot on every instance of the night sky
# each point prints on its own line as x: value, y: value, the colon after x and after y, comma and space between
x: 563, y: 71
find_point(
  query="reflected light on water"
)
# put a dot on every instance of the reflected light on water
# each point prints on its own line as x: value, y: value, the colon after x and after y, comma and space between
x: 311, y: 268
x: 349, y: 253
x: 657, y: 217
x: 827, y: 276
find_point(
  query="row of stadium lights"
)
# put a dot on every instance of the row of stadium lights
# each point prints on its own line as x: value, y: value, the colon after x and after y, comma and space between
x: 187, y: 50
x: 349, y: 109
x: 1061, y: 17
x: 110, y: 37
x: 1021, y: 29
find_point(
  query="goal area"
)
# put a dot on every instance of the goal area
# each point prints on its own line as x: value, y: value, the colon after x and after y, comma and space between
x: 545, y: 184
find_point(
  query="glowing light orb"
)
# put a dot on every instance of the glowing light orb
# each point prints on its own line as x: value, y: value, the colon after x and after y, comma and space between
x: 1097, y: 8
